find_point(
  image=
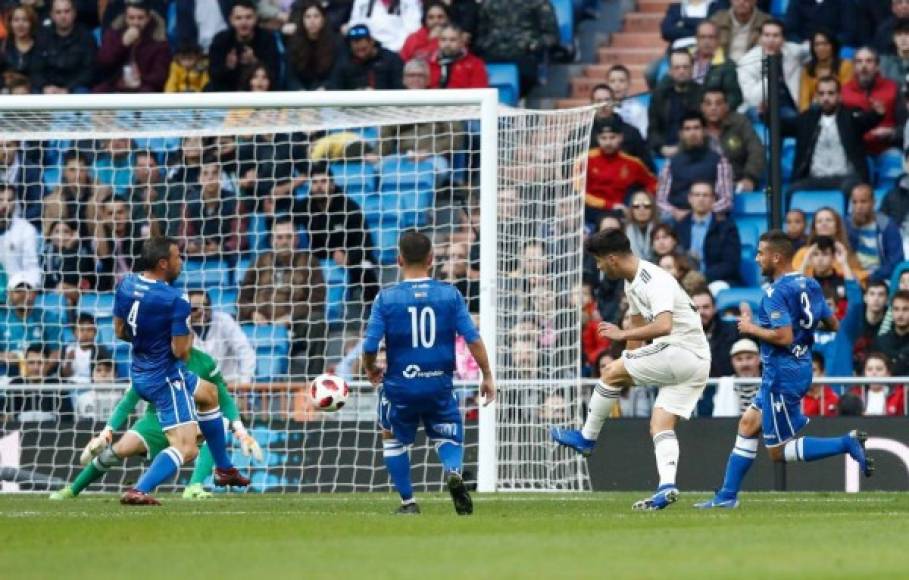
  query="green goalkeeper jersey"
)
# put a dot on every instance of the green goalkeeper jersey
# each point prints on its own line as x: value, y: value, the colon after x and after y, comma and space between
x: 200, y: 363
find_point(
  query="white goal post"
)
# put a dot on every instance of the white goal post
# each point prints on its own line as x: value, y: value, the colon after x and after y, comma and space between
x: 513, y: 186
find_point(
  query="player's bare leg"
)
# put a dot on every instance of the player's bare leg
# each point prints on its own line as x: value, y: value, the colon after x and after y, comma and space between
x: 666, y: 451
x: 212, y: 427
x: 605, y: 395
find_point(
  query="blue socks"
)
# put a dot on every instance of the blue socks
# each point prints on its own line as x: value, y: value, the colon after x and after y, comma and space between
x: 165, y: 465
x: 397, y: 462
x: 212, y: 426
x: 451, y: 455
x: 740, y: 460
x: 814, y: 448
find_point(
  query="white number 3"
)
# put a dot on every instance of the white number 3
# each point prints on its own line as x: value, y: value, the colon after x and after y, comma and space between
x: 808, y: 321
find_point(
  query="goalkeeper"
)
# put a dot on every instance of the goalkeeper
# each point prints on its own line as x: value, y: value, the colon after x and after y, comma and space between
x: 146, y: 436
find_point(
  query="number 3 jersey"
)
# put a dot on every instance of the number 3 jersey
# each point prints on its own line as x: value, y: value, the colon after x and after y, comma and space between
x: 419, y: 320
x: 797, y: 301
x: 154, y: 311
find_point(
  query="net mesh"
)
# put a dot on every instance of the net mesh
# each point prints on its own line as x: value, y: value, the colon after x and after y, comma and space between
x: 288, y: 221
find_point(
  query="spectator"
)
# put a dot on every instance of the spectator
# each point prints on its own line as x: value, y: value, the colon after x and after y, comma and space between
x: 895, y: 343
x: 218, y: 334
x: 674, y: 97
x: 819, y: 265
x: 825, y: 62
x: 695, y: 161
x: 733, y: 136
x: 631, y: 110
x: 79, y: 355
x: 611, y: 174
x: 895, y: 66
x: 18, y: 243
x: 870, y: 91
x: 632, y: 141
x: 875, y: 299
x: 199, y: 21
x: 709, y: 238
x: 875, y: 237
x: 116, y: 245
x: 314, y: 51
x: 19, y: 46
x: 883, y: 31
x: 25, y: 324
x: 65, y: 53
x: 796, y: 224
x: 147, y: 196
x: 188, y: 71
x: 664, y: 241
x: 74, y: 199
x: 517, y: 32
x: 16, y: 84
x: 23, y: 176
x: 712, y: 70
x: 257, y: 79
x: 828, y: 148
x: 827, y: 222
x: 684, y: 270
x: 452, y: 66
x: 720, y: 334
x: 369, y: 66
x: 820, y: 400
x: 113, y: 9
x: 424, y: 43
x: 870, y: 14
x: 881, y: 399
x: 592, y: 344
x: 751, y: 70
x: 836, y: 347
x: 739, y: 27
x: 65, y: 261
x: 103, y: 370
x: 733, y: 397
x: 337, y: 231
x: 895, y: 204
x: 679, y: 26
x: 134, y: 56
x: 391, y: 22
x: 212, y: 219
x: 642, y: 221
x: 456, y: 271
x: 33, y: 405
x: 285, y: 286
x: 239, y: 47
x: 805, y: 17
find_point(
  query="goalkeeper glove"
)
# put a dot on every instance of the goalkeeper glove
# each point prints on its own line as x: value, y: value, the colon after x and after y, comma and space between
x: 96, y: 445
x: 248, y: 444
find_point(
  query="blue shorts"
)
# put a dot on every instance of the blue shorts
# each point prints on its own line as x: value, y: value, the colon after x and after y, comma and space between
x: 441, y: 419
x: 780, y: 403
x: 173, y: 399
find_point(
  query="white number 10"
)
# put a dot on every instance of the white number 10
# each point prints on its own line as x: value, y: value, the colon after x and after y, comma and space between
x: 422, y: 331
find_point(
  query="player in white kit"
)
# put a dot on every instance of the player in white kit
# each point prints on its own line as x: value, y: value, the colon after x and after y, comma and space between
x: 677, y: 360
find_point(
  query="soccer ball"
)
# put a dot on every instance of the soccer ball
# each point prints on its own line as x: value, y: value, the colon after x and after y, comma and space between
x: 328, y: 392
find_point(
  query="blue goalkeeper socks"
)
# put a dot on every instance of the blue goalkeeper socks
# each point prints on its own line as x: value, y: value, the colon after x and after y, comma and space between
x: 451, y: 455
x: 165, y: 465
x: 814, y: 448
x: 740, y: 460
x: 211, y: 424
x: 397, y: 462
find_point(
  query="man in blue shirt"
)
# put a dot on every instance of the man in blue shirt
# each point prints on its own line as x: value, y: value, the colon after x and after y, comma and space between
x: 154, y: 316
x: 791, y: 310
x: 419, y: 320
x: 22, y: 324
x: 709, y: 237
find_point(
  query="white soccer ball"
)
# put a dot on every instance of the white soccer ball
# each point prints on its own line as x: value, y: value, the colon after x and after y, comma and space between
x: 328, y: 392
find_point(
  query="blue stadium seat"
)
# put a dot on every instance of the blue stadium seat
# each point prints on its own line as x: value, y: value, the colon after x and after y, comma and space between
x: 787, y: 158
x: 224, y: 300
x: 356, y: 179
x: 52, y: 303
x: 51, y: 177
x: 778, y: 7
x: 172, y: 24
x: 98, y: 304
x: 731, y: 297
x: 888, y: 167
x: 336, y: 282
x: 207, y: 273
x: 106, y: 335
x: 811, y: 201
x: 242, y: 266
x: 385, y: 238
x: 750, y: 203
x: 257, y: 235
x: 372, y: 209
x: 504, y: 76
x: 748, y: 268
x: 564, y: 13
x: 272, y: 345
x: 750, y: 229
x: 847, y: 52
x: 895, y: 277
x: 879, y: 194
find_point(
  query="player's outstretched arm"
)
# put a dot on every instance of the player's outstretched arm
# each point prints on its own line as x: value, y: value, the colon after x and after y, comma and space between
x: 373, y: 372
x: 487, y: 386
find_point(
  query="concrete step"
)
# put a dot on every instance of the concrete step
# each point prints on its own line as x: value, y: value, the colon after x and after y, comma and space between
x: 643, y: 22
x: 627, y: 56
x: 658, y: 6
x: 635, y: 40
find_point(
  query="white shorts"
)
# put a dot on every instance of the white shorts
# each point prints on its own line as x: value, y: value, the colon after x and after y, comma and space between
x: 680, y: 374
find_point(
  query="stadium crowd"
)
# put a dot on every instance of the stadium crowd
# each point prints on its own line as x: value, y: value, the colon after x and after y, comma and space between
x: 680, y: 169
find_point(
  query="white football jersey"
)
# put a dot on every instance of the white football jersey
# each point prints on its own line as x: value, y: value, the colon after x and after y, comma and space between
x: 654, y: 291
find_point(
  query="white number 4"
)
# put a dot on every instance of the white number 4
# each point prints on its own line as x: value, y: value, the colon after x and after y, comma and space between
x: 422, y: 331
x: 133, y: 316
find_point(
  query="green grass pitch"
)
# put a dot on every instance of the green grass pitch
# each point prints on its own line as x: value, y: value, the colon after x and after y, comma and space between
x: 594, y: 535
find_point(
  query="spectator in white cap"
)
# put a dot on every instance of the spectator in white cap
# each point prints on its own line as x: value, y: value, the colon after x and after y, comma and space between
x: 22, y: 324
x: 732, y: 398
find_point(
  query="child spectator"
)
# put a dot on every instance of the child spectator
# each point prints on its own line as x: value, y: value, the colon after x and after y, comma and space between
x: 796, y: 224
x: 821, y: 400
x: 188, y: 70
x: 881, y: 399
x: 79, y: 356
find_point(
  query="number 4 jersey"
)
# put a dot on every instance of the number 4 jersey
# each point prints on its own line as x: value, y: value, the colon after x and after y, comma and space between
x: 419, y: 320
x: 792, y: 300
x: 155, y: 312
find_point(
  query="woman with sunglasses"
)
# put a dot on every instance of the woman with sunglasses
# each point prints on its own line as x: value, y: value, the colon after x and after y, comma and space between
x: 642, y: 219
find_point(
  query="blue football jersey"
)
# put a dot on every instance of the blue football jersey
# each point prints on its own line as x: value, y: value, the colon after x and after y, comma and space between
x: 155, y: 312
x: 419, y: 320
x: 792, y: 300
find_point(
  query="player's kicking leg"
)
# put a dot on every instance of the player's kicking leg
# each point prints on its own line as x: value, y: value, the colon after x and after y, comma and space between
x: 444, y: 428
x: 211, y: 424
x: 740, y: 460
x: 398, y: 431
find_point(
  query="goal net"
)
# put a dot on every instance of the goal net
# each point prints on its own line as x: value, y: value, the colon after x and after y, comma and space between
x: 287, y: 209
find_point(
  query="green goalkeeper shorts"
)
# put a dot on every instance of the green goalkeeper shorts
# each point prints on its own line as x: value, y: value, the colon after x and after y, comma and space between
x: 149, y: 431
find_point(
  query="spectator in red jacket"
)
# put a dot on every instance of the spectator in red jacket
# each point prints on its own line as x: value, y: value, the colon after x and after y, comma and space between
x: 821, y: 400
x: 134, y: 54
x: 425, y: 42
x: 868, y: 87
x: 455, y: 67
x: 889, y: 400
